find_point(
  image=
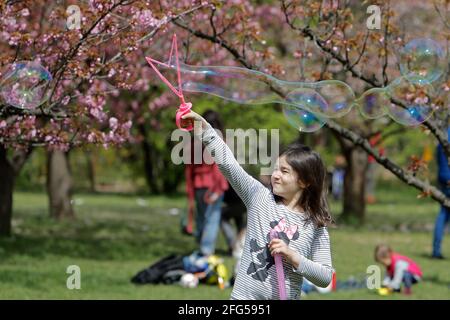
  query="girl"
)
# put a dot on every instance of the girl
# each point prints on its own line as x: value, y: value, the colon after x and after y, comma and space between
x: 295, y: 207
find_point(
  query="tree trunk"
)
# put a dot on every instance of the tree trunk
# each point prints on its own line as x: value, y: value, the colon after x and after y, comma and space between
x: 354, y: 206
x: 6, y: 192
x: 9, y: 169
x: 90, y: 170
x: 148, y: 164
x: 175, y: 174
x: 59, y: 185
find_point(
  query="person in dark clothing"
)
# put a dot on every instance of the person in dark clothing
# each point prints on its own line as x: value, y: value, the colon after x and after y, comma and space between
x: 444, y: 213
x: 233, y: 211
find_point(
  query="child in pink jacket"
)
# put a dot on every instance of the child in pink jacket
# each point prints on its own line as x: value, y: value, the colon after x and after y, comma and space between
x: 399, y: 269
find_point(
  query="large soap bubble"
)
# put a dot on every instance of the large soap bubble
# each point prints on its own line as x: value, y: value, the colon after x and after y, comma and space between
x: 422, y: 61
x: 373, y: 103
x: 411, y: 103
x: 25, y: 85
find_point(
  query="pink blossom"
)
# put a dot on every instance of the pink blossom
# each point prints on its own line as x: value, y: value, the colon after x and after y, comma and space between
x: 127, y: 125
x: 32, y: 134
x: 113, y: 124
x: 65, y: 101
x: 25, y: 12
x: 10, y: 24
x: 419, y: 100
x: 111, y: 72
x: 14, y: 40
x: 145, y: 18
x: 96, y: 5
x: 91, y: 137
x: 97, y: 113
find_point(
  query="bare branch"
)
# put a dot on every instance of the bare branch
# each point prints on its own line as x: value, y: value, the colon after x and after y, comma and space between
x: 363, y: 50
x: 217, y: 40
x: 386, y: 56
x: 441, y: 15
x: 404, y: 176
x: 211, y: 22
x: 62, y: 66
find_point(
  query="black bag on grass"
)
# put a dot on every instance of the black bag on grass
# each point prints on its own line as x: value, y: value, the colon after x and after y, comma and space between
x: 155, y: 273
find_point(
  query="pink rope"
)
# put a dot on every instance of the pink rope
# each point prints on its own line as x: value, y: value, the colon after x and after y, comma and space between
x: 184, y: 107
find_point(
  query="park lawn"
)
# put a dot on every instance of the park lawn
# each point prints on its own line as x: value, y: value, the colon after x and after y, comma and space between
x: 115, y: 236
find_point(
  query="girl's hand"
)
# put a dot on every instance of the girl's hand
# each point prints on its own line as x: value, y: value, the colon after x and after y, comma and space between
x: 278, y: 246
x: 197, y: 120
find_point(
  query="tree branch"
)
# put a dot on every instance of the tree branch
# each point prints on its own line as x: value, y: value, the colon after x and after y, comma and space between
x: 404, y: 176
x: 217, y: 40
x: 444, y: 20
x: 431, y: 124
x: 346, y: 133
x: 386, y: 56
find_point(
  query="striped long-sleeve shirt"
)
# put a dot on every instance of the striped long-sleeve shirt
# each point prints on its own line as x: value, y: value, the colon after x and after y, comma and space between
x: 256, y: 278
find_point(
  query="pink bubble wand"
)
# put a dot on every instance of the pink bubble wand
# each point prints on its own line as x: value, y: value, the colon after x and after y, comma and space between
x: 184, y: 107
x: 279, y: 268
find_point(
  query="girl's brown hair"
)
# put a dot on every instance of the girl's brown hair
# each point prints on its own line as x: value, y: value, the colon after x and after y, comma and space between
x: 312, y: 173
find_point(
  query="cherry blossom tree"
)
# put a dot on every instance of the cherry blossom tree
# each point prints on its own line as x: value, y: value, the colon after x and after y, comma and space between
x: 91, y: 64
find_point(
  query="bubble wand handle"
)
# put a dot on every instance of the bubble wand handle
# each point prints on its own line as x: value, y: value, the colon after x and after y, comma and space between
x: 183, y: 109
x: 279, y: 269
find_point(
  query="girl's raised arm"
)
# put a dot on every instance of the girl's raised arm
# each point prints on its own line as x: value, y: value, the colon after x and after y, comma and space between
x: 244, y: 184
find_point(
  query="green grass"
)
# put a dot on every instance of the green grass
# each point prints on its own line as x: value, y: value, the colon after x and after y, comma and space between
x: 114, y: 236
